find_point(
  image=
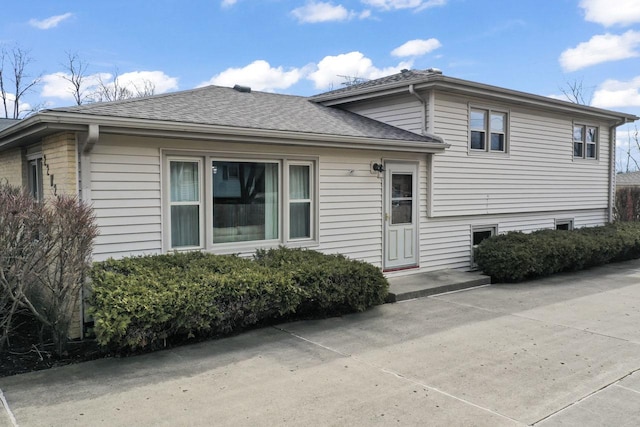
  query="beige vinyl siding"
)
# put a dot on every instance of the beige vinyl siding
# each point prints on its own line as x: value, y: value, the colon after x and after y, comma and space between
x: 11, y: 167
x: 125, y: 193
x: 446, y: 242
x: 351, y: 207
x: 404, y: 112
x: 538, y: 173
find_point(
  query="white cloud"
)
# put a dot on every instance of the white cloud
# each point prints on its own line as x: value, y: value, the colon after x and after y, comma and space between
x: 51, y: 22
x: 331, y: 70
x: 617, y: 94
x: 228, y: 3
x: 417, y: 5
x: 416, y: 47
x: 135, y: 80
x: 57, y: 85
x: 24, y: 108
x: 314, y: 12
x: 259, y: 75
x: 608, y: 12
x: 601, y: 48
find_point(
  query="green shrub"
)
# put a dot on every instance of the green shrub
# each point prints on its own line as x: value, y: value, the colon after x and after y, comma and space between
x: 333, y: 284
x: 517, y: 256
x: 140, y: 302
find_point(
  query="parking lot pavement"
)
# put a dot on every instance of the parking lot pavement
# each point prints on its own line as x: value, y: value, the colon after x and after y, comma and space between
x: 558, y: 351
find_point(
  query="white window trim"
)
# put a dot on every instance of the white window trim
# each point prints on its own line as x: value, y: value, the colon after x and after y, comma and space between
x: 206, y: 208
x: 168, y: 203
x: 585, y: 126
x: 312, y: 208
x: 487, y: 151
x: 480, y: 228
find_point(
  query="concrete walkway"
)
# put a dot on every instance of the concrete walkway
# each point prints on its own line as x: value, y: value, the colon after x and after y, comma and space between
x: 554, y: 352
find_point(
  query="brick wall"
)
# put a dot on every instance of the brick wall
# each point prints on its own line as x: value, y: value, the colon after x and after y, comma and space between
x: 60, y: 162
x: 12, y: 166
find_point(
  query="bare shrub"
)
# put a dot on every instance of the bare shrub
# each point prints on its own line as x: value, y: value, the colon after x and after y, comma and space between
x: 46, y: 253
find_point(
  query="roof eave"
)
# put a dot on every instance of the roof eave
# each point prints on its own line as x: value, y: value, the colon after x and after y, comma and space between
x: 50, y: 121
x: 466, y: 87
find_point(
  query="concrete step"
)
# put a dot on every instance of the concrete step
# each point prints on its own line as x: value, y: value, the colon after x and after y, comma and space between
x: 432, y: 283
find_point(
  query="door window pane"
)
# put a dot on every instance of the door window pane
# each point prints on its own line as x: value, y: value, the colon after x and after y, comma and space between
x: 245, y: 204
x: 401, y: 198
x: 401, y: 212
x: 401, y: 185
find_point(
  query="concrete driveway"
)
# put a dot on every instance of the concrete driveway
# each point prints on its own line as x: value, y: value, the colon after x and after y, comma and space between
x: 559, y: 351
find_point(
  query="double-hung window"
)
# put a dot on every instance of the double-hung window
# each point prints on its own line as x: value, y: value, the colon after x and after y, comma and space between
x: 585, y: 142
x: 487, y: 130
x: 185, y: 205
x: 300, y: 201
x: 239, y: 203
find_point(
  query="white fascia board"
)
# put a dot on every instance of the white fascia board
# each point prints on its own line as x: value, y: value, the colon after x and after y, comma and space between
x: 469, y: 88
x: 169, y: 129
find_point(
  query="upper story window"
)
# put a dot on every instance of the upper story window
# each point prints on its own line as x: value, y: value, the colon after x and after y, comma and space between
x: 488, y: 130
x: 585, y: 142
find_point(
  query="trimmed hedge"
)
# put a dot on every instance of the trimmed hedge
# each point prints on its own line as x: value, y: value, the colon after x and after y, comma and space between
x: 140, y: 302
x: 517, y: 256
x: 332, y: 284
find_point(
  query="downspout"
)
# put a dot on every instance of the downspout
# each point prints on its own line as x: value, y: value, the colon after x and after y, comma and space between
x: 423, y: 101
x: 86, y: 142
x: 612, y: 168
x: 427, y: 128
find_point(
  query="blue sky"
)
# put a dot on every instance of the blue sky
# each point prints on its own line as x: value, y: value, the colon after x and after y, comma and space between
x: 302, y: 47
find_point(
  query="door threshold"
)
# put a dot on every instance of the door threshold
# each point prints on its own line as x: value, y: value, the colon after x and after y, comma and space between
x: 391, y: 270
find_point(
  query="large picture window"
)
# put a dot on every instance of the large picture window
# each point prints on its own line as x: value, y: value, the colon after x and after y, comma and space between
x: 245, y: 201
x: 239, y: 203
x: 487, y: 130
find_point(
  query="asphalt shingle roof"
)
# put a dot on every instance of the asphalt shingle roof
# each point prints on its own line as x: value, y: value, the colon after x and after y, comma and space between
x: 5, y: 123
x: 629, y: 179
x: 404, y: 77
x: 215, y: 105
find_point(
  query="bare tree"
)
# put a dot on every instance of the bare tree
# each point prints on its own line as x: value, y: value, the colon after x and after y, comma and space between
x: 576, y: 92
x: 77, y: 74
x: 14, y: 64
x: 116, y: 90
x: 352, y: 80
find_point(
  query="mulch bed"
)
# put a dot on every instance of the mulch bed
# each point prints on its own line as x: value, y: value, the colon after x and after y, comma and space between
x: 26, y: 353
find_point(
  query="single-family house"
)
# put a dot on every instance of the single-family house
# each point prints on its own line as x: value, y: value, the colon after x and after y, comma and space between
x: 407, y: 172
x: 628, y: 179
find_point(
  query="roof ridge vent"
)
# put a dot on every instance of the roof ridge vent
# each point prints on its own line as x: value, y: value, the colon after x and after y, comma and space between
x: 243, y: 89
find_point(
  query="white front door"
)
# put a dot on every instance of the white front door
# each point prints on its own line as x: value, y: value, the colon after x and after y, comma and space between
x: 400, y: 215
